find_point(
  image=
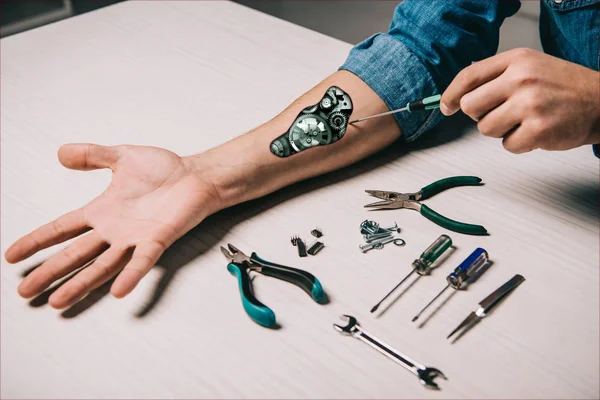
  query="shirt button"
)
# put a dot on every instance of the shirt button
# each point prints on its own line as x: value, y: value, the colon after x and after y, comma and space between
x: 558, y: 1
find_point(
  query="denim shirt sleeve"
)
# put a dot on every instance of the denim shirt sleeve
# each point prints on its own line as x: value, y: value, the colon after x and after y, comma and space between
x: 427, y: 44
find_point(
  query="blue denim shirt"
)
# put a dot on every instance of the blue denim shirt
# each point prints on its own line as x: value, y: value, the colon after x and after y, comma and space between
x: 429, y: 42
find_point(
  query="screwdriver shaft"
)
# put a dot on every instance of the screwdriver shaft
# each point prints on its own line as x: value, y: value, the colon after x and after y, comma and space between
x: 430, y: 303
x: 378, y: 115
x: 391, y: 291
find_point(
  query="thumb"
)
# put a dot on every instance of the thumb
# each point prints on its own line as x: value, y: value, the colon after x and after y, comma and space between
x: 87, y: 156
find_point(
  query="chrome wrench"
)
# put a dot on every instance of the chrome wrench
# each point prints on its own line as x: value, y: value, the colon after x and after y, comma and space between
x: 425, y: 374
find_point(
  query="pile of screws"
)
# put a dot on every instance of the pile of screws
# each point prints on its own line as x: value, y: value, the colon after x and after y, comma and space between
x: 377, y: 237
x: 314, y: 248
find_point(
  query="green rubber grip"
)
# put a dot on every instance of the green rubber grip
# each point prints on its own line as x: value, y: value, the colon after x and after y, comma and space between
x: 256, y: 310
x: 436, y: 249
x: 428, y: 103
x: 447, y: 183
x: 455, y: 226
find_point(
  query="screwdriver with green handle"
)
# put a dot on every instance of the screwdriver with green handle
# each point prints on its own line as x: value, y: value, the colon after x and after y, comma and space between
x: 428, y: 103
x: 422, y: 265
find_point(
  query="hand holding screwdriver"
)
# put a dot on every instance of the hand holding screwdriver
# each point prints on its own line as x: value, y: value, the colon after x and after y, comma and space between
x: 462, y: 275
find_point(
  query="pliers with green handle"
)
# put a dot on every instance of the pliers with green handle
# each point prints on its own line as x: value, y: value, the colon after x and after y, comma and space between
x: 241, y: 265
x: 394, y: 200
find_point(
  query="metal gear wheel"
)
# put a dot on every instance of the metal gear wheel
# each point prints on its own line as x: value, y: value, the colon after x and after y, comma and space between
x: 309, y: 130
x: 338, y: 120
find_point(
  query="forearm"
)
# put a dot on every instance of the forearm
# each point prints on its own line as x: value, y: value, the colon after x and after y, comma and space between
x: 244, y: 168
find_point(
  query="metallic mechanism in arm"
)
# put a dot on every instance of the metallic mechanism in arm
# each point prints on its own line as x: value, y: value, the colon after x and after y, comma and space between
x: 316, y: 125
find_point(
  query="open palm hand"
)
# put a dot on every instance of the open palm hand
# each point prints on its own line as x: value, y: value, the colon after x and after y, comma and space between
x: 154, y: 198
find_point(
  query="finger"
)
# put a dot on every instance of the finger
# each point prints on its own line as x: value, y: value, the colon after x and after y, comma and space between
x: 477, y: 103
x: 75, y: 255
x: 85, y: 156
x: 472, y: 77
x: 144, y: 257
x: 64, y: 228
x: 520, y: 141
x: 105, y: 267
x: 501, y: 120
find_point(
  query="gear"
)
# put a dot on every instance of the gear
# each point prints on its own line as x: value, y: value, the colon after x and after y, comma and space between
x: 337, y: 120
x: 309, y: 130
x: 326, y: 103
x: 281, y: 147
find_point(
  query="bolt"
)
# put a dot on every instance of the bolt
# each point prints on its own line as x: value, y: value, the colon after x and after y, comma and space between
x: 392, y: 228
x: 376, y: 244
x: 369, y: 227
x: 375, y: 236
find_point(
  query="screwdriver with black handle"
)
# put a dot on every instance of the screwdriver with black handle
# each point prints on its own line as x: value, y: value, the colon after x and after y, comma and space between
x: 428, y: 103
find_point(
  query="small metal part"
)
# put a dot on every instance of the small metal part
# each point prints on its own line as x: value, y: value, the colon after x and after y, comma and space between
x: 392, y: 228
x: 295, y: 240
x: 315, y: 248
x: 377, y: 236
x: 301, y: 247
x: 487, y: 304
x: 369, y: 227
x: 422, y: 265
x: 379, y: 244
x: 425, y: 374
x: 317, y: 232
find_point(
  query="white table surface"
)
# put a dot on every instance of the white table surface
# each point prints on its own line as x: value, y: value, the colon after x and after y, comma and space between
x: 190, y: 75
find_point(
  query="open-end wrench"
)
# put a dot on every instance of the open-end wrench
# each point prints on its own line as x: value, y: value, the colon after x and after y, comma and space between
x: 425, y: 374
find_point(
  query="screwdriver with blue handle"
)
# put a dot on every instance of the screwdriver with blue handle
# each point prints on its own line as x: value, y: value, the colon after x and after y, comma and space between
x: 463, y: 275
x: 428, y: 103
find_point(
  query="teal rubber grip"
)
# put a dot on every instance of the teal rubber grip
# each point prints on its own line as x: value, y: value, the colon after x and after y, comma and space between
x: 447, y: 183
x: 256, y: 310
x: 450, y: 224
x: 428, y: 103
x: 317, y: 292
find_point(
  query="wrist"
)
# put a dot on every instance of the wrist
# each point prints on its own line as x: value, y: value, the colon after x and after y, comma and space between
x: 229, y: 172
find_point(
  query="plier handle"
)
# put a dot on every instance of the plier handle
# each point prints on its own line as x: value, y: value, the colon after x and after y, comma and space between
x: 395, y: 200
x: 241, y: 265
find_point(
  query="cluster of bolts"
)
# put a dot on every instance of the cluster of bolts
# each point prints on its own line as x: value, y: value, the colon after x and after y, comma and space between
x: 377, y: 237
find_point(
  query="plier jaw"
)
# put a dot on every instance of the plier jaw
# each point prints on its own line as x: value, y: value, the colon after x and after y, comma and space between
x: 395, y: 200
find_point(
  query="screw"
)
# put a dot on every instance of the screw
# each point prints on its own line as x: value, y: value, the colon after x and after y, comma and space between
x: 376, y: 236
x: 392, y: 228
x: 376, y: 244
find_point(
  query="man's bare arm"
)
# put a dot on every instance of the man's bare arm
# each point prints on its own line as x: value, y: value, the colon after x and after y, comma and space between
x: 156, y: 196
x: 255, y: 171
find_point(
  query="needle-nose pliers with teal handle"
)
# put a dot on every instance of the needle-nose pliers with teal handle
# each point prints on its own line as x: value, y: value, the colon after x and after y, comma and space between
x: 394, y: 200
x: 240, y: 265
